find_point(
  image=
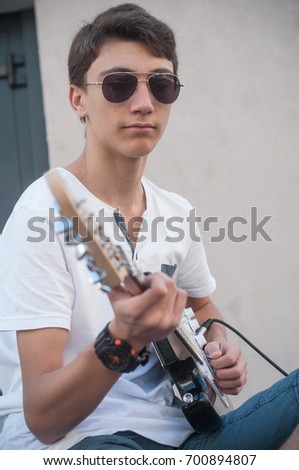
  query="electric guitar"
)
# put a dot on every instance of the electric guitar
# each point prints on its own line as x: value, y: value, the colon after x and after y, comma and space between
x: 181, y: 354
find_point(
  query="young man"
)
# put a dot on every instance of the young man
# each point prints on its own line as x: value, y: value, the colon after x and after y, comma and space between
x: 60, y: 392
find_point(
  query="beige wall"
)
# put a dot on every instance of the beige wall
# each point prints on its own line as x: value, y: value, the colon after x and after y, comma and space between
x: 232, y: 144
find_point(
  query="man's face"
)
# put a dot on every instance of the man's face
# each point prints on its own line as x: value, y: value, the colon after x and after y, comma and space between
x: 131, y: 128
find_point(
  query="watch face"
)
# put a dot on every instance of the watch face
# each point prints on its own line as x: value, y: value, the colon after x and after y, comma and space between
x: 116, y: 358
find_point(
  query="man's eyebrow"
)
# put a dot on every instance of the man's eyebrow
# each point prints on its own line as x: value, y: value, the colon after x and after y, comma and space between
x: 162, y: 70
x: 125, y: 69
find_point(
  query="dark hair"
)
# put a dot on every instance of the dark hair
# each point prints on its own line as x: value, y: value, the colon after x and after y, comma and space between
x: 127, y: 21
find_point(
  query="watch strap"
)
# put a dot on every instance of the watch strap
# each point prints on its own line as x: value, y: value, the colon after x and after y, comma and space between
x: 104, y: 341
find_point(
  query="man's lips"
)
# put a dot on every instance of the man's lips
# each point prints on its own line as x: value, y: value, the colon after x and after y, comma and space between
x: 141, y: 126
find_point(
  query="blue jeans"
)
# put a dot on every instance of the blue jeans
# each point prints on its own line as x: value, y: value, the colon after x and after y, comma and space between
x: 263, y: 422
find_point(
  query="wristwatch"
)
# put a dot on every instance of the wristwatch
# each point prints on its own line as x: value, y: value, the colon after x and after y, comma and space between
x: 117, y: 354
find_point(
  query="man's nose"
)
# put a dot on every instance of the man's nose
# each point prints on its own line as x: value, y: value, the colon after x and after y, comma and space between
x: 142, y: 99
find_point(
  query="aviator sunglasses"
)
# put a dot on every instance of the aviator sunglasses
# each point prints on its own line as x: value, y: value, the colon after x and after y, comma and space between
x: 120, y: 86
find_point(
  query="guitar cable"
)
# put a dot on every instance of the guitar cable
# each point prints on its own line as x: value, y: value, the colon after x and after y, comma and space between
x: 208, y: 323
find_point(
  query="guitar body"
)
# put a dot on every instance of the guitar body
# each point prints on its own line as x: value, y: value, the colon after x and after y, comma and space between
x: 182, y: 354
x: 190, y: 388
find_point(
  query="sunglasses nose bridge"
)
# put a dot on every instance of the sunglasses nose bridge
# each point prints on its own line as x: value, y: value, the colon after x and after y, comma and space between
x: 142, y: 79
x: 146, y: 80
x: 148, y: 92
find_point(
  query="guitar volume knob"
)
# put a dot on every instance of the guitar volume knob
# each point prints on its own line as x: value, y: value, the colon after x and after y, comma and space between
x: 188, y: 398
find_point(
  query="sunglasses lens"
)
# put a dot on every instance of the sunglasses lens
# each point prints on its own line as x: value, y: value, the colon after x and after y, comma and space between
x: 118, y: 87
x: 165, y: 88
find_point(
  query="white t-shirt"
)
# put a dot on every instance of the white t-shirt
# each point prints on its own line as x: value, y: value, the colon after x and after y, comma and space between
x: 42, y: 284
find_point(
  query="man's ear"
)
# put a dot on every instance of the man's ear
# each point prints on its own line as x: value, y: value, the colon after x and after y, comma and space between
x: 76, y: 97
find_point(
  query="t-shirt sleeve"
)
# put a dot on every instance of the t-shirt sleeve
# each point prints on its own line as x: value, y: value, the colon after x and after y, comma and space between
x: 36, y: 289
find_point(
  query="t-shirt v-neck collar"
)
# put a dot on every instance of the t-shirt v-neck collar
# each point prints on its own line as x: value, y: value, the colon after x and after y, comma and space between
x: 115, y: 212
x: 91, y: 198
